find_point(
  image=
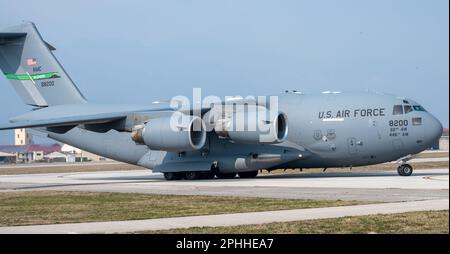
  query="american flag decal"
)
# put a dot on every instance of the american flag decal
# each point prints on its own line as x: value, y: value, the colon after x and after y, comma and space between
x: 31, y: 61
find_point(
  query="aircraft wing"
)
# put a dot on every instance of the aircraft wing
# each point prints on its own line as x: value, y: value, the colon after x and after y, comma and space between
x: 78, y: 114
x: 65, y: 121
x: 87, y: 114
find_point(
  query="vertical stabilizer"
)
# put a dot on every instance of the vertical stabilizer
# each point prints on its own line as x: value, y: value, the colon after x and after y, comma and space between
x: 28, y: 63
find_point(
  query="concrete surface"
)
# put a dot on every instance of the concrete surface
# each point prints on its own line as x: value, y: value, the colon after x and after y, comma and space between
x: 421, y: 160
x: 380, y: 186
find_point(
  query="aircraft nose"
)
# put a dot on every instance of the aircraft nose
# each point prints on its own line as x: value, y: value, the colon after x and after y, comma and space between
x: 435, y: 128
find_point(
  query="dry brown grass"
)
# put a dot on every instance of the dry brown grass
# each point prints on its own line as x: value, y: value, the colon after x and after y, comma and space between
x: 52, y: 207
x: 68, y: 168
x: 430, y: 222
x: 432, y: 155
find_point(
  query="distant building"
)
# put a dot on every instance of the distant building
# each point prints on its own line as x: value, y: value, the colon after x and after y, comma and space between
x: 81, y: 155
x: 443, y: 141
x: 25, y: 151
x: 7, y: 157
x: 60, y: 157
x: 22, y: 137
x: 31, y: 152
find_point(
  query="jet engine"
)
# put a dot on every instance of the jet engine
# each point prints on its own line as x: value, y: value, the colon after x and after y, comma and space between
x: 253, y: 126
x: 176, y: 133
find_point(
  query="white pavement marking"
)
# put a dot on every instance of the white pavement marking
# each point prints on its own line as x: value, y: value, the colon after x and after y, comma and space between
x: 229, y: 219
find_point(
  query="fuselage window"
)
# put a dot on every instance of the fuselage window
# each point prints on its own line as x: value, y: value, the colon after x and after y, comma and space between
x: 417, y: 121
x: 407, y: 108
x: 398, y: 110
x: 418, y: 108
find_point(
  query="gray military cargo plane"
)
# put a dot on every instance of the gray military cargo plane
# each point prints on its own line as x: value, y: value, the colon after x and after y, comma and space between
x: 331, y: 129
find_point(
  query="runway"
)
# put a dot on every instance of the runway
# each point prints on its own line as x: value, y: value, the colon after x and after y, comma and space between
x: 426, y: 189
x: 228, y: 219
x: 377, y: 186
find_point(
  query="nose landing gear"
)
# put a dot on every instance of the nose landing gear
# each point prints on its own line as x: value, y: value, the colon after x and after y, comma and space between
x: 405, y: 170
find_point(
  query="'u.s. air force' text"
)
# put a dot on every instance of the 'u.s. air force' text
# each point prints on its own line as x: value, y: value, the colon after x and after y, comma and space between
x: 345, y: 113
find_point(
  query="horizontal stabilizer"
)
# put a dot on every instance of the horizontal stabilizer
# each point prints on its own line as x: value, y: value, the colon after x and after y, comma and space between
x: 50, y: 47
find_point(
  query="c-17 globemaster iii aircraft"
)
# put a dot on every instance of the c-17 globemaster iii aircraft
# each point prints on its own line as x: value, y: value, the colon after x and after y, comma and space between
x: 330, y: 129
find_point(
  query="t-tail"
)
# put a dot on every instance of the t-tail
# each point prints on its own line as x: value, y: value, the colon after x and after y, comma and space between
x: 28, y: 63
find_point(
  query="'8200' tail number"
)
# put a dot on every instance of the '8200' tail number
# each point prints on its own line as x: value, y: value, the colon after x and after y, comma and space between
x: 395, y: 123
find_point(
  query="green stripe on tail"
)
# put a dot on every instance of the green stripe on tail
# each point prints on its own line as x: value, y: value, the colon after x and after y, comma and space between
x: 33, y: 77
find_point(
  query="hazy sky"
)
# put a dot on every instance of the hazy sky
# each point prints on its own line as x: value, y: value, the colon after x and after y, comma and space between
x: 141, y: 51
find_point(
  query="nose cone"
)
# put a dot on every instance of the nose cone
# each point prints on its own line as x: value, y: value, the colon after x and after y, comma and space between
x: 434, y: 130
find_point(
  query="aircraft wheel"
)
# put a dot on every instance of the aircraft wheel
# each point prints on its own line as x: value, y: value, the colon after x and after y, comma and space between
x: 405, y: 170
x: 207, y: 175
x: 193, y: 175
x: 251, y: 174
x: 226, y: 175
x: 170, y: 176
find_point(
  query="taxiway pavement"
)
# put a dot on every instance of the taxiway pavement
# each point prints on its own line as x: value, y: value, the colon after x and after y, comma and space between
x: 376, y: 186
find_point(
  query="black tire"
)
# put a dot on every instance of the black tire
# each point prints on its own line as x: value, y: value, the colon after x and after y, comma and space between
x: 207, y: 175
x: 171, y: 176
x: 193, y: 175
x: 226, y: 175
x: 251, y: 174
x: 405, y: 170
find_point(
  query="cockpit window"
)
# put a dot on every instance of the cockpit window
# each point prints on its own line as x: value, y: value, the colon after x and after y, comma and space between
x: 398, y: 110
x: 418, y: 108
x: 407, y: 109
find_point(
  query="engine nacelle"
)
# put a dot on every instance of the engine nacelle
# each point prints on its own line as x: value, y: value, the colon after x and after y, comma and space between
x: 254, y: 127
x: 175, y: 134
